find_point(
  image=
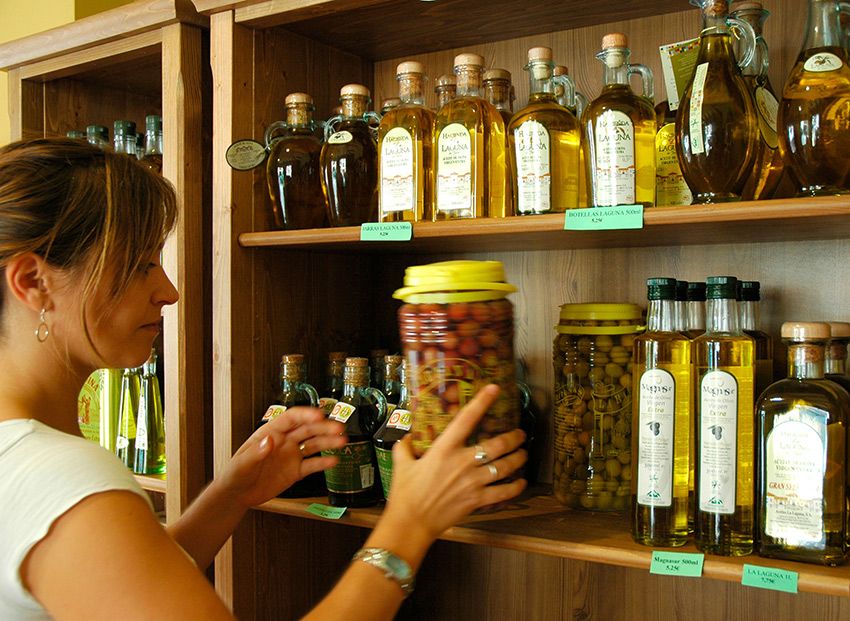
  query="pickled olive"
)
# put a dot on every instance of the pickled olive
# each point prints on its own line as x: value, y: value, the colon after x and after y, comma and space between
x: 604, y: 343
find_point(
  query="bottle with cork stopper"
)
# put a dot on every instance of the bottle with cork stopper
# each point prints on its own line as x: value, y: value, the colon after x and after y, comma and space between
x: 445, y: 87
x: 835, y: 366
x: 499, y: 91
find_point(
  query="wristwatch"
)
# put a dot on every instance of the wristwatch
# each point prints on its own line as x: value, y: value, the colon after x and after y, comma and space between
x: 394, y: 568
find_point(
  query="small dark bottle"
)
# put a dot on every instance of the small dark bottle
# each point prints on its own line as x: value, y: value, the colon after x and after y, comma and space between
x: 392, y: 381
x: 334, y: 379
x: 395, y: 426
x: 376, y: 364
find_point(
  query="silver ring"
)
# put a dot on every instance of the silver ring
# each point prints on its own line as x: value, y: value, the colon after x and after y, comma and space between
x: 480, y: 455
x: 494, y: 472
x: 301, y: 448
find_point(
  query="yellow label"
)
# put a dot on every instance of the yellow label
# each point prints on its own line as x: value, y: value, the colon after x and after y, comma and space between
x: 767, y: 108
x: 670, y: 186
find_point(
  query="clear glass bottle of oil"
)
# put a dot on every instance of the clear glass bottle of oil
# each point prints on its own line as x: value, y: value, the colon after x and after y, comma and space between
x: 445, y: 87
x: 670, y: 185
x: 470, y: 154
x: 749, y: 296
x: 618, y: 132
x: 153, y: 143
x: 388, y: 104
x: 544, y: 139
x: 725, y: 465
x: 696, y: 309
x: 661, y: 423
x: 814, y: 114
x: 499, y: 92
x: 404, y: 151
x: 802, y: 451
x: 569, y: 96
x: 716, y: 125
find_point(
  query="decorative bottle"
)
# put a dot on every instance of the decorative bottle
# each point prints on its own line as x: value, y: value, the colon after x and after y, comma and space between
x: 334, y: 381
x: 835, y: 367
x: 569, y: 96
x: 392, y: 381
x: 150, y: 423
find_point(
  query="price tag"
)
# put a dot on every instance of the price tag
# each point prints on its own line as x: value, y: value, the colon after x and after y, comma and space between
x: 604, y: 218
x: 769, y: 578
x: 676, y: 564
x: 331, y: 513
x: 386, y: 231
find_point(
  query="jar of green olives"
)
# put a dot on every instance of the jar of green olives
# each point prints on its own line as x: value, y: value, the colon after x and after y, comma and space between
x: 592, y: 356
x: 456, y: 328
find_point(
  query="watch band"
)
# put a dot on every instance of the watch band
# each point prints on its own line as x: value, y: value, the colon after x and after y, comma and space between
x: 394, y: 568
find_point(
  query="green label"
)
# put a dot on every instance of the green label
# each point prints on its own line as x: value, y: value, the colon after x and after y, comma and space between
x: 331, y: 513
x: 676, y: 564
x: 386, y: 231
x: 769, y: 578
x: 385, y: 468
x: 355, y: 471
x: 604, y: 218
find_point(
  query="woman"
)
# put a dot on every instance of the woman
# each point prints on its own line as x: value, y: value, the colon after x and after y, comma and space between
x: 82, y: 287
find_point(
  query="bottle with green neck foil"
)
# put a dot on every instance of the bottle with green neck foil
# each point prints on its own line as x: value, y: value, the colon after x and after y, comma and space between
x: 749, y: 297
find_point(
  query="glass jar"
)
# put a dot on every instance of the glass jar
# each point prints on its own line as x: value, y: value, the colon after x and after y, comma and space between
x: 592, y: 356
x: 457, y: 333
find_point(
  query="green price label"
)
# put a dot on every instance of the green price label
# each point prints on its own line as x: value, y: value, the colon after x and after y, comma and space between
x: 604, y: 218
x: 386, y: 231
x: 676, y: 564
x: 769, y: 578
x: 331, y: 513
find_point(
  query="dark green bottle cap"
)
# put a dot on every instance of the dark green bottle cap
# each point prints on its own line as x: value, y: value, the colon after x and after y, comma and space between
x: 97, y: 131
x: 660, y: 288
x: 681, y: 290
x: 696, y: 292
x: 749, y: 290
x: 76, y: 134
x: 721, y: 288
x: 153, y: 123
x: 124, y: 128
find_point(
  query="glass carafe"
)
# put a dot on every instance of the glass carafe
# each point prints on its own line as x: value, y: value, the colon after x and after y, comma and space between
x: 814, y: 115
x: 716, y: 126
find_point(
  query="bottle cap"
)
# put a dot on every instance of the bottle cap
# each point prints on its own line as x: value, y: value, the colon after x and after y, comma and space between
x: 292, y: 359
x: 661, y: 288
x: 696, y: 292
x: 446, y: 80
x: 97, y: 131
x: 713, y: 8
x: 540, y: 53
x: 409, y: 66
x: 681, y: 290
x: 839, y: 329
x: 297, y: 98
x: 614, y: 39
x: 805, y: 330
x: 356, y: 362
x: 469, y: 59
x: 721, y: 288
x: 497, y: 74
x: 393, y: 360
x: 353, y: 89
x: 124, y: 128
x: 153, y: 123
x: 749, y: 290
x: 560, y: 70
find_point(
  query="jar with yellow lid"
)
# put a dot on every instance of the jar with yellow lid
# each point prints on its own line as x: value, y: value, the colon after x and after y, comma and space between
x: 592, y: 357
x: 456, y: 329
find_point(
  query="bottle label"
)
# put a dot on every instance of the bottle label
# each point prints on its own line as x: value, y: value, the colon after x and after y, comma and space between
x: 670, y: 186
x: 273, y: 412
x: 88, y: 407
x: 391, y: 408
x: 342, y: 411
x: 718, y: 442
x: 385, y: 468
x: 355, y: 470
x: 656, y: 438
x: 615, y: 159
x: 340, y: 137
x: 531, y: 147
x: 397, y: 171
x: 820, y: 63
x: 767, y: 108
x: 400, y: 419
x: 121, y: 442
x: 454, y: 169
x: 695, y: 111
x: 142, y: 435
x: 796, y: 455
x: 326, y: 404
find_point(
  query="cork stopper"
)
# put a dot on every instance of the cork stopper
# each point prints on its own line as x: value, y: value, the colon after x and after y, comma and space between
x: 839, y: 329
x: 297, y: 98
x: 356, y: 362
x: 465, y: 59
x: 805, y: 330
x: 445, y: 80
x: 356, y: 371
x: 409, y: 66
x: 560, y: 70
x: 350, y: 90
x: 497, y: 74
x: 393, y: 359
x: 292, y: 359
x: 540, y: 53
x: 614, y: 39
x: 715, y: 8
x: 291, y: 366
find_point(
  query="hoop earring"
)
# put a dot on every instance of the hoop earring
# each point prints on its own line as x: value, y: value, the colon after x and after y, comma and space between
x: 42, y: 331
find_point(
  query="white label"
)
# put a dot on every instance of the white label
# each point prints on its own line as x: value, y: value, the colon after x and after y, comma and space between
x: 342, y: 411
x: 767, y: 108
x: 531, y: 147
x: 340, y: 137
x: 142, y: 435
x: 822, y: 62
x: 397, y: 171
x: 454, y: 169
x: 121, y: 442
x: 615, y: 159
x: 718, y: 442
x: 795, y: 467
x: 656, y: 438
x: 695, y: 111
x: 400, y: 419
x: 367, y: 476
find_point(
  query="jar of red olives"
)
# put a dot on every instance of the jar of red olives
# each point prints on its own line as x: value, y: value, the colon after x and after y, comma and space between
x: 457, y: 333
x: 592, y: 356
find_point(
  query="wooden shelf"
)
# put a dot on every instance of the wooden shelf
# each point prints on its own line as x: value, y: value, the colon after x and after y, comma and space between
x: 798, y: 219
x: 152, y: 483
x: 538, y: 524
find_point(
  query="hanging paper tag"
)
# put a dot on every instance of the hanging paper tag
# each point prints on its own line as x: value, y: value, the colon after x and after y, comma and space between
x: 245, y: 154
x: 677, y: 63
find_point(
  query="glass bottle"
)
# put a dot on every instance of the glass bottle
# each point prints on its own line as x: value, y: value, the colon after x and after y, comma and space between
x: 835, y: 367
x: 618, y: 132
x: 696, y: 309
x: 153, y: 143
x: 802, y: 444
x: 292, y: 168
x: 110, y: 407
x: 351, y: 482
x: 544, y: 138
x: 445, y: 87
x: 716, y: 127
x: 725, y: 465
x: 471, y: 178
x: 405, y: 160
x: 75, y: 134
x: 395, y: 426
x: 499, y: 92
x: 140, y: 146
x: 392, y: 381
x: 680, y: 320
x: 568, y: 96
x: 124, y: 137
x: 376, y: 364
x: 661, y: 423
x: 670, y: 185
x: 767, y: 171
x: 814, y: 114
x: 334, y: 379
x: 98, y: 135
x: 150, y: 423
x: 388, y: 104
x: 349, y: 161
x: 125, y: 443
x: 748, y: 313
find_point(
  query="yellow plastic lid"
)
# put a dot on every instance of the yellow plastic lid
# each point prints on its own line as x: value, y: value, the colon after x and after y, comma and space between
x: 454, y: 281
x: 601, y: 312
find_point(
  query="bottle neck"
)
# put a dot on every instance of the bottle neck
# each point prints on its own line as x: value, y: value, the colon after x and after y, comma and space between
x: 299, y: 115
x: 661, y: 316
x: 355, y: 378
x: 125, y: 144
x: 836, y: 358
x: 290, y: 374
x: 468, y: 81
x: 716, y: 43
x: 153, y: 142
x: 748, y: 315
x: 498, y: 93
x: 760, y: 61
x: 354, y: 106
x: 540, y: 81
x: 445, y: 94
x: 721, y: 315
x: 805, y: 360
x: 615, y: 62
x: 824, y: 25
x: 410, y: 89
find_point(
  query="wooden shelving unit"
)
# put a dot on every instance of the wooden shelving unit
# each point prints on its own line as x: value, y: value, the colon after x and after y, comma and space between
x: 156, y: 484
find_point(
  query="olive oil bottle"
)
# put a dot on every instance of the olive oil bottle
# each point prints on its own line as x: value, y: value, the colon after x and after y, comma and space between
x: 499, y: 91
x: 725, y: 465
x: 125, y: 443
x: 333, y: 381
x: 749, y: 296
x: 445, y: 87
x: 670, y: 185
x: 392, y: 381
x: 404, y: 151
x: 569, y: 96
x: 152, y: 158
x: 150, y: 423
x: 802, y: 452
x: 716, y: 126
x: 396, y: 425
x: 661, y: 424
x: 836, y: 353
x: 618, y: 132
x: 470, y: 154
x: 696, y: 309
x: 544, y: 138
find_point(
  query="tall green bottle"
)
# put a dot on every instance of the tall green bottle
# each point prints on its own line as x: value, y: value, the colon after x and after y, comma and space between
x: 125, y: 444
x: 150, y: 423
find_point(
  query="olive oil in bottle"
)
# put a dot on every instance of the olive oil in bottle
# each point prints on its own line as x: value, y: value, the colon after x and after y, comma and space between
x: 333, y: 381
x: 153, y: 143
x: 835, y: 367
x: 392, y: 381
x: 749, y: 296
x: 395, y: 426
x: 499, y: 92
x: 802, y: 451
x: 696, y: 309
x: 716, y: 126
x: 661, y: 425
x: 404, y: 148
x: 471, y: 178
x: 618, y: 132
x: 568, y: 96
x: 445, y: 87
x: 725, y: 465
x: 670, y: 185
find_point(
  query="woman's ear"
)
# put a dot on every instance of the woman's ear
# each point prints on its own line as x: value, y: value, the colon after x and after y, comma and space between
x: 29, y: 280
